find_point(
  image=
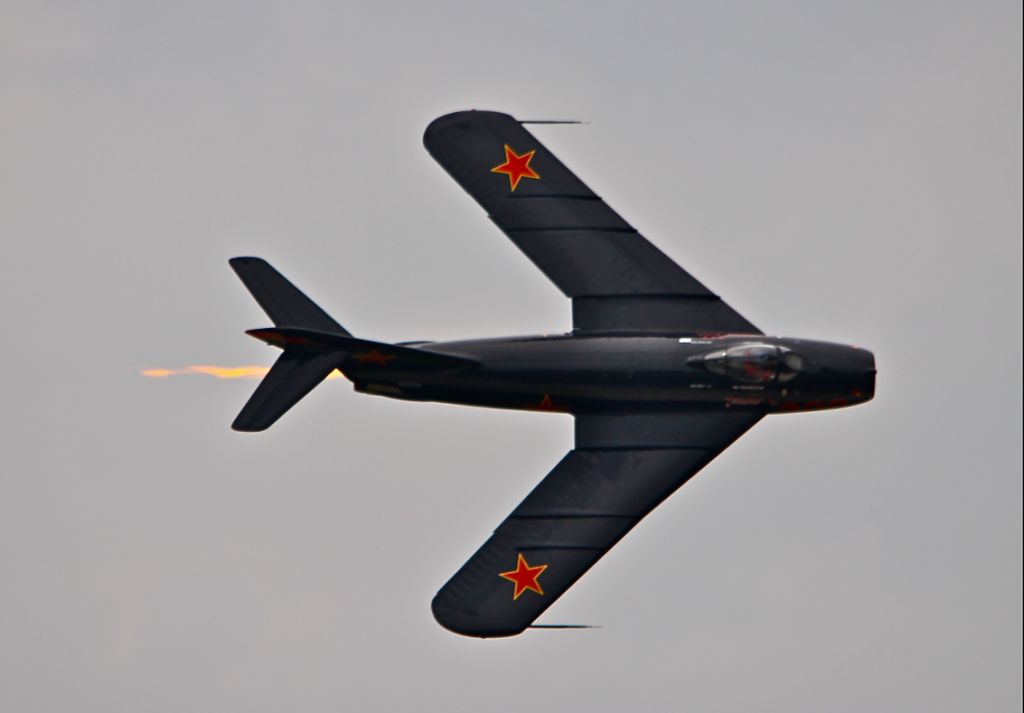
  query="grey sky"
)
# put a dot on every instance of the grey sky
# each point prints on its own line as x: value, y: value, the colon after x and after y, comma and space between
x: 845, y: 171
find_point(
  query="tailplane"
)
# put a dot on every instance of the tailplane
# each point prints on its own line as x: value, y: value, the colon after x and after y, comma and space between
x: 301, y: 367
x: 294, y: 374
x: 284, y: 303
x: 314, y: 345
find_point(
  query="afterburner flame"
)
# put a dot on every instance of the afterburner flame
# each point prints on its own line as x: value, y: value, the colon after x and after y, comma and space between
x: 220, y: 372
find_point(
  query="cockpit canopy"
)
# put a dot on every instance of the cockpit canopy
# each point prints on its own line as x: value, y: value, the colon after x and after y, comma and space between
x: 754, y: 363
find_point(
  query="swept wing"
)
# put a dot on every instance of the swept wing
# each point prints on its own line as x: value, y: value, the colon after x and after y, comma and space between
x: 622, y: 467
x: 618, y: 281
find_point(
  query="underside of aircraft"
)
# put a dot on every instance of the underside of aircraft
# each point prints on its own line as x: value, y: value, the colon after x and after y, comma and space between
x: 659, y: 373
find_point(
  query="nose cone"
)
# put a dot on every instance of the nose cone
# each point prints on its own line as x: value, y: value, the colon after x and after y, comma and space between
x: 830, y: 375
x: 863, y: 374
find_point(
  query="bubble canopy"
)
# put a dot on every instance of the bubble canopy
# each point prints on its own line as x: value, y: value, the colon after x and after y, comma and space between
x: 754, y: 363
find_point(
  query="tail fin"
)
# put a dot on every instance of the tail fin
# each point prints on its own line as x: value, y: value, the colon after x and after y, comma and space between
x: 299, y: 369
x: 283, y: 302
x: 314, y: 345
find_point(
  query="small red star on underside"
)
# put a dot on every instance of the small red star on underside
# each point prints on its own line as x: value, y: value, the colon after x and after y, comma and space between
x: 516, y: 167
x: 524, y: 577
x: 374, y: 357
x: 546, y: 404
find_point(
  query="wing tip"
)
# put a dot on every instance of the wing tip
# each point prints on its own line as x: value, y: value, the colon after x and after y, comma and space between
x: 463, y: 116
x: 465, y: 623
x: 248, y: 427
x: 243, y: 260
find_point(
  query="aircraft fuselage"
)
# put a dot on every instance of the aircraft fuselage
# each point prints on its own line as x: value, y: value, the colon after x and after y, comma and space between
x: 580, y: 374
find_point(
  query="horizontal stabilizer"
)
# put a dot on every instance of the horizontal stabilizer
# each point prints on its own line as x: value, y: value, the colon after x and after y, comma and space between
x: 284, y: 303
x: 294, y: 374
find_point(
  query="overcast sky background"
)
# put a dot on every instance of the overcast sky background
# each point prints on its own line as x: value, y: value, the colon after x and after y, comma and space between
x: 845, y: 171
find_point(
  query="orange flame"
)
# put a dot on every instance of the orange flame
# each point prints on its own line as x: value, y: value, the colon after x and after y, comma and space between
x: 220, y: 372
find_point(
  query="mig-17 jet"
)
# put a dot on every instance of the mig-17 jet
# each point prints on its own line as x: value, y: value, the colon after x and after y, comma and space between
x: 659, y: 373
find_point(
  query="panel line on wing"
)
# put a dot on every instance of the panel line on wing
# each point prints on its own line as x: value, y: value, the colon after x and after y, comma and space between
x: 554, y: 546
x: 568, y: 516
x: 612, y: 449
x: 566, y: 229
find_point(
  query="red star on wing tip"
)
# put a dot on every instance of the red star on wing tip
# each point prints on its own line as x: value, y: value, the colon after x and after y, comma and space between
x: 516, y: 167
x: 524, y: 577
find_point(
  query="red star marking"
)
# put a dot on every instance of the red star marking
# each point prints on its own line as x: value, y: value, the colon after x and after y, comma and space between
x: 271, y: 336
x: 546, y: 404
x: 374, y: 357
x: 516, y: 167
x: 524, y: 577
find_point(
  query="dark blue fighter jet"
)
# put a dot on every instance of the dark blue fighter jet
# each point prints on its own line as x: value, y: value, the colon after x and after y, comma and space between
x: 659, y: 373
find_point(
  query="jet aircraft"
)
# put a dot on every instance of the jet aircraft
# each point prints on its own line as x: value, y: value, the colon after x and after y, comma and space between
x: 659, y: 373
